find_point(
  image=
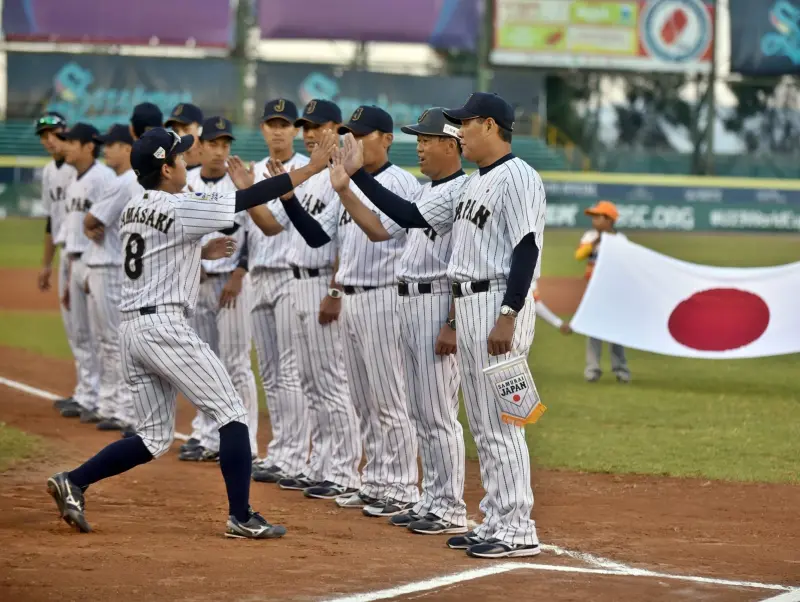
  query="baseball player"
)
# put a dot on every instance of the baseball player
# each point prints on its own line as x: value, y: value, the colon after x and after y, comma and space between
x: 90, y: 186
x: 56, y: 177
x: 103, y: 258
x: 604, y: 216
x: 497, y: 224
x: 146, y: 116
x: 272, y: 314
x: 335, y: 443
x: 187, y: 120
x: 367, y: 273
x: 161, y: 352
x: 427, y: 332
x: 222, y: 317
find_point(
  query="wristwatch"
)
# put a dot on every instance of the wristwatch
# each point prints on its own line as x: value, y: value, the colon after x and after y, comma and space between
x: 451, y: 322
x: 335, y: 293
x: 505, y: 310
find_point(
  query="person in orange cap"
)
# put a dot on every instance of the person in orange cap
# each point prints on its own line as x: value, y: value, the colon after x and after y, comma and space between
x: 604, y: 216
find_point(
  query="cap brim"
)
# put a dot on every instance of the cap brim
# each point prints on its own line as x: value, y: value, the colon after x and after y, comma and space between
x: 181, y: 120
x: 356, y: 130
x: 458, y: 115
x: 301, y: 121
x: 67, y: 135
x: 592, y: 212
x: 184, y: 145
x: 45, y: 128
x: 421, y: 130
x: 215, y: 135
x: 273, y: 116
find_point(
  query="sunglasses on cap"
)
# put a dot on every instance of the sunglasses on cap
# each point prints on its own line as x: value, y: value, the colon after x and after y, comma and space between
x: 51, y: 121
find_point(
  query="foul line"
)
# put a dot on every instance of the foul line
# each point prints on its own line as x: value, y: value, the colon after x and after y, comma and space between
x: 42, y: 394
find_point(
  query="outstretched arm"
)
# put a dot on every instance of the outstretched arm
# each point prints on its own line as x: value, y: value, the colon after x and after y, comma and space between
x: 309, y: 228
x: 361, y: 214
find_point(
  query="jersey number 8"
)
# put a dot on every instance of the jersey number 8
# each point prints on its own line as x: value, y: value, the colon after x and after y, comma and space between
x: 134, y: 251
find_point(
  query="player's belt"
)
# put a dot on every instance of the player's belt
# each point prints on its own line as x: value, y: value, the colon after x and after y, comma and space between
x: 462, y: 289
x: 407, y: 289
x: 301, y: 273
x: 352, y: 290
x: 75, y: 255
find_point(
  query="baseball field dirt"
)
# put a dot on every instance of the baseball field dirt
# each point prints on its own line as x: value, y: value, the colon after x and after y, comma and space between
x: 158, y: 530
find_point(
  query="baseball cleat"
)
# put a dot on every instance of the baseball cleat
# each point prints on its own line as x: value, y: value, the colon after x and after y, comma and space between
x: 256, y: 527
x: 110, y: 424
x: 433, y: 525
x: 72, y: 410
x: 69, y: 499
x: 327, y: 490
x: 90, y: 417
x: 273, y: 474
x: 60, y: 404
x: 404, y: 519
x: 387, y: 508
x: 298, y: 483
x: 494, y: 548
x: 623, y: 378
x: 464, y: 542
x: 190, y: 444
x: 199, y: 454
x: 356, y: 500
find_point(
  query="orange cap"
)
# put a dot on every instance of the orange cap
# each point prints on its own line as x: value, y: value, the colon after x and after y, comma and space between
x: 606, y: 208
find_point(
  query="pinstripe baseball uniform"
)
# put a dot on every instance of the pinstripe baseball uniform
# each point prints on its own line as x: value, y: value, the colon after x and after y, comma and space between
x: 498, y: 206
x: 161, y: 353
x: 370, y: 315
x: 336, y: 444
x: 432, y: 380
x: 104, y: 261
x: 227, y: 330
x: 87, y: 189
x: 273, y: 316
x: 56, y: 177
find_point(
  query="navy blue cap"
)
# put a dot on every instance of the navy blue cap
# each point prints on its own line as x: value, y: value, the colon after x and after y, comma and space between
x: 150, y: 151
x: 50, y: 121
x: 116, y: 133
x: 184, y: 113
x: 146, y: 115
x: 484, y: 104
x: 432, y: 123
x: 280, y: 108
x: 217, y: 127
x: 80, y: 131
x: 367, y: 119
x: 320, y: 111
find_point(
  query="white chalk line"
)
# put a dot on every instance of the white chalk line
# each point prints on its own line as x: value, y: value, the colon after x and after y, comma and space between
x: 604, y: 566
x: 42, y: 394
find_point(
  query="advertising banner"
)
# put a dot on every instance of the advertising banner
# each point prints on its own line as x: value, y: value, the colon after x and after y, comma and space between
x: 440, y: 23
x: 103, y: 90
x: 640, y: 35
x: 683, y: 309
x: 198, y: 22
x: 766, y: 37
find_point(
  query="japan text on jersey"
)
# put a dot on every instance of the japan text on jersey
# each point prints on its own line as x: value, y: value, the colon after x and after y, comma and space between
x: 161, y: 235
x: 495, y: 210
x: 427, y: 253
x: 56, y: 178
x: 238, y: 230
x: 362, y: 262
x: 271, y: 251
x: 84, y: 191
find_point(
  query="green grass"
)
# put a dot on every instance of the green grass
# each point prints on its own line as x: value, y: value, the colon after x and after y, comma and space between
x: 39, y: 332
x: 21, y: 243
x: 16, y: 445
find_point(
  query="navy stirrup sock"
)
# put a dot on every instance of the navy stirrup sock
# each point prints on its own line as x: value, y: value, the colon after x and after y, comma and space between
x: 236, y: 464
x: 112, y: 460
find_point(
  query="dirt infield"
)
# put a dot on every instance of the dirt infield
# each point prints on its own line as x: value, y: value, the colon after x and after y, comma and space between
x: 158, y: 530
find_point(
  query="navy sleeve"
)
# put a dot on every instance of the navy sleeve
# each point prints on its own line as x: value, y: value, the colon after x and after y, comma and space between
x: 48, y: 228
x: 523, y: 264
x: 244, y: 254
x: 306, y: 225
x: 404, y: 213
x: 262, y: 192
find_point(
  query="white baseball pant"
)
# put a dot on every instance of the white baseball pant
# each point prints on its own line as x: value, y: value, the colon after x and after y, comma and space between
x: 432, y: 387
x: 86, y: 391
x: 336, y: 446
x: 228, y: 333
x: 66, y: 316
x: 273, y: 317
x: 502, y: 449
x: 376, y: 380
x: 161, y: 355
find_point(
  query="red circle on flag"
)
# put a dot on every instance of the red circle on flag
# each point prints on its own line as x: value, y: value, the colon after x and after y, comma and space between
x: 516, y: 398
x: 719, y: 319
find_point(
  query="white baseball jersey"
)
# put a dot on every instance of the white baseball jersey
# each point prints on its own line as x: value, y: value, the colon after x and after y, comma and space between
x: 161, y: 233
x: 56, y: 177
x: 498, y: 206
x: 361, y: 261
x: 84, y: 191
x: 221, y: 185
x: 271, y: 251
x: 427, y: 253
x: 119, y: 194
x: 315, y: 194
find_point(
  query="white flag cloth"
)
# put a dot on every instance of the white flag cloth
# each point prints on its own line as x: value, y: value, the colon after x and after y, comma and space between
x: 649, y: 301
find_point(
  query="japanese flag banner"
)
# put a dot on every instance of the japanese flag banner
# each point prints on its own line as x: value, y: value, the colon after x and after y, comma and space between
x: 649, y: 301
